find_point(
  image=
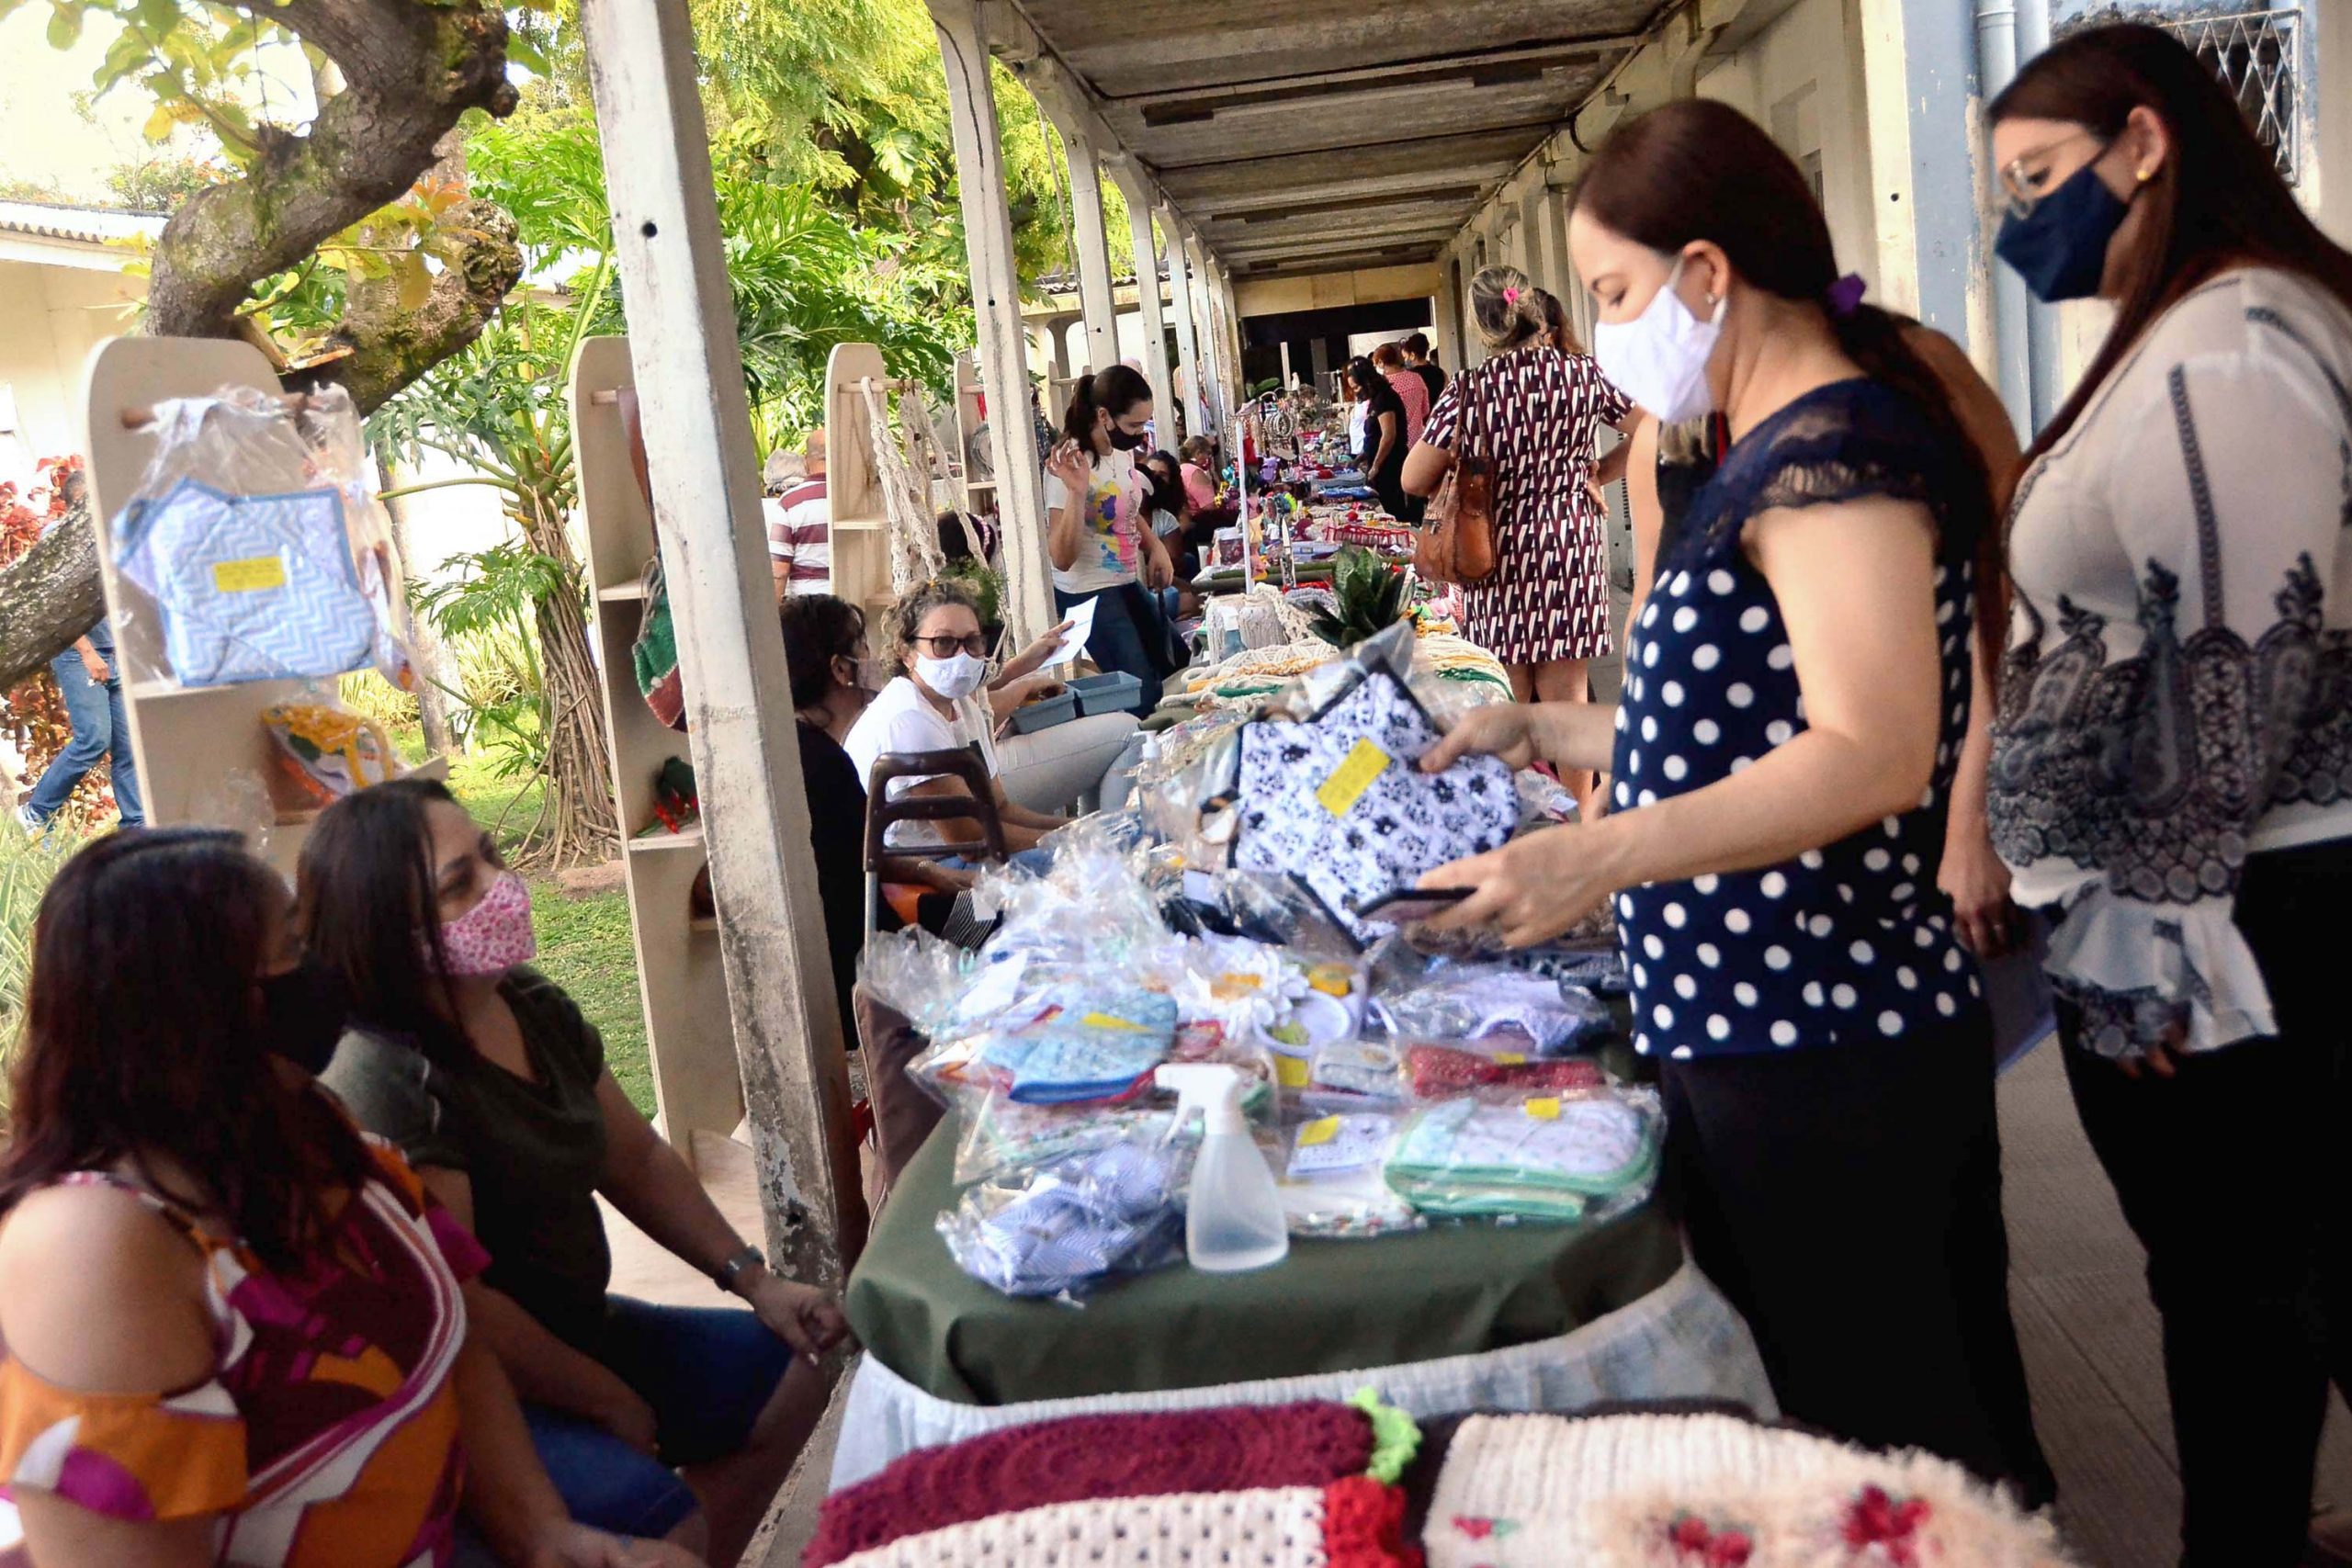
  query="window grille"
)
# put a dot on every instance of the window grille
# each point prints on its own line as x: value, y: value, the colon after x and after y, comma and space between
x: 2254, y: 54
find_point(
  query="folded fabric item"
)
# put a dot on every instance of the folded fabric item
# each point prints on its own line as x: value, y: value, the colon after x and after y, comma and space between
x: 1358, y: 1066
x: 1549, y: 1156
x: 1068, y: 1224
x: 1335, y: 801
x: 249, y: 587
x: 1226, y: 1448
x: 1437, y: 1072
x: 1355, y: 1523
x: 1711, y: 1492
x: 1474, y: 1001
x: 1094, y: 1046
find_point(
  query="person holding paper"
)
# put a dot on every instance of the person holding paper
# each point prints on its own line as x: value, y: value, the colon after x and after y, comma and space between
x: 1099, y: 536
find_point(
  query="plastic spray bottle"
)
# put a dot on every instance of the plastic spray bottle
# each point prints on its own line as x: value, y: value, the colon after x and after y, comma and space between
x: 1233, y: 1219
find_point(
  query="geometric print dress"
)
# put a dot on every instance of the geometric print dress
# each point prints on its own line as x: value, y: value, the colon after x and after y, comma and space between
x: 1535, y: 411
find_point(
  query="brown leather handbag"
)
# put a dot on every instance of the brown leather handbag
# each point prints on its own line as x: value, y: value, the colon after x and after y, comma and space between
x: 1456, y: 542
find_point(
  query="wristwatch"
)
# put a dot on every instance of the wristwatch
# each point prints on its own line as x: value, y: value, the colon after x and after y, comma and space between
x: 733, y: 1269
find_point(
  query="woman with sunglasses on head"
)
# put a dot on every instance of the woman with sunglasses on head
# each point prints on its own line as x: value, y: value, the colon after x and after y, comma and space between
x: 1796, y: 698
x: 486, y: 1075
x: 230, y: 1329
x: 2171, y: 767
x: 933, y: 704
x: 1099, y: 533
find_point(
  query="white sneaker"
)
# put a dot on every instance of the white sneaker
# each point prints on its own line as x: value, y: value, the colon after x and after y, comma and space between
x: 26, y: 819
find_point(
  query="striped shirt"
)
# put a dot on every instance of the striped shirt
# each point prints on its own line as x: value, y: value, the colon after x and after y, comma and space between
x: 800, y: 535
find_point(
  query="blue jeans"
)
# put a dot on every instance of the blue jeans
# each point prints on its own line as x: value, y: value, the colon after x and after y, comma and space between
x: 706, y: 1371
x: 99, y: 729
x: 1128, y: 639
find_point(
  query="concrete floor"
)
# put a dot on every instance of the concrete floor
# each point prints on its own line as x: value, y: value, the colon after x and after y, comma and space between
x: 2089, y: 1335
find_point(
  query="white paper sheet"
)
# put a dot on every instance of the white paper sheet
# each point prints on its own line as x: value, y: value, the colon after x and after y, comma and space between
x: 1081, y: 626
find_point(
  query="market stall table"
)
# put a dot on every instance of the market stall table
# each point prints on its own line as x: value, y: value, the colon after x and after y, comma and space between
x: 1529, y: 1316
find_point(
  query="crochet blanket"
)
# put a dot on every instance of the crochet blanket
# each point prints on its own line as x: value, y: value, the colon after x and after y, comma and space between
x: 1095, y: 1458
x: 1355, y: 1523
x: 1711, y: 1492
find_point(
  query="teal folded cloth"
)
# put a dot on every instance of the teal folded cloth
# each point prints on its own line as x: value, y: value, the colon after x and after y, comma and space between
x: 1092, y: 1046
x: 1546, y: 1156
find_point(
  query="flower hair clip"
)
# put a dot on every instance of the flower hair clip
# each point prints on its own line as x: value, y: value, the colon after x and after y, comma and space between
x: 1511, y: 296
x: 1845, y: 296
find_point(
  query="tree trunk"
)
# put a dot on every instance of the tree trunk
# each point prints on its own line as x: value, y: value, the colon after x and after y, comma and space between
x: 578, y: 820
x: 50, y: 597
x: 426, y: 652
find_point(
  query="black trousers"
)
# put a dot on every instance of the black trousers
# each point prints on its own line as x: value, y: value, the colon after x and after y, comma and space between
x: 2232, y: 1174
x: 1848, y: 1199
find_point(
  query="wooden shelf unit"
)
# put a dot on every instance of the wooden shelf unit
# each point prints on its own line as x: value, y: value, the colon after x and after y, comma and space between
x: 688, y: 1033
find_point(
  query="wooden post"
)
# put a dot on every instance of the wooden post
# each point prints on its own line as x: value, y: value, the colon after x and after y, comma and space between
x: 995, y: 309
x: 706, y: 481
x: 1211, y: 391
x: 1095, y: 300
x: 1155, y: 332
x: 1188, y: 345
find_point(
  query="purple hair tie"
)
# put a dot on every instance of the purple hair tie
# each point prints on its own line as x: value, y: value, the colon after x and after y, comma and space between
x: 1844, y: 296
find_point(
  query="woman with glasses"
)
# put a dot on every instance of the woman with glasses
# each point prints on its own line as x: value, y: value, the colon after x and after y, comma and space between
x: 2171, y: 765
x: 936, y: 704
x: 1098, y: 532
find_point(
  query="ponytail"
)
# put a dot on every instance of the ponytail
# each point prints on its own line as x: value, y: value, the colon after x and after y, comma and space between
x: 1115, y: 390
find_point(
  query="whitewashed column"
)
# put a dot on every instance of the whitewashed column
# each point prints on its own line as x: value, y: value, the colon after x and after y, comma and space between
x: 1188, y: 344
x: 1155, y: 330
x: 995, y: 309
x: 706, y: 484
x: 1095, y: 300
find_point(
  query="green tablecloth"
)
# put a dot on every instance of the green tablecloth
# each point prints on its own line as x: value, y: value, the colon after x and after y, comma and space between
x: 1331, y: 1306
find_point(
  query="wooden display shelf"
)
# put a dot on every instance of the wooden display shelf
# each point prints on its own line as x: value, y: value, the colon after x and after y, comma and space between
x: 689, y: 840
x: 622, y: 593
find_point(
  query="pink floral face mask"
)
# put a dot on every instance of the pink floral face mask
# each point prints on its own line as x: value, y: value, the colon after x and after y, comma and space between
x: 495, y: 934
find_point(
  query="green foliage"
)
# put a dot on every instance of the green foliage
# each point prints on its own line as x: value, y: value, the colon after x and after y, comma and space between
x: 487, y: 614
x: 162, y: 183
x: 26, y: 864
x: 1370, y: 596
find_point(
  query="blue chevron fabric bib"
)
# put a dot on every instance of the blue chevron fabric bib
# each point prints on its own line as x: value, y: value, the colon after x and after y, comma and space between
x: 250, y: 587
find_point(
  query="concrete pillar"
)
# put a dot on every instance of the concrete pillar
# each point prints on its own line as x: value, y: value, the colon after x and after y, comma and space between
x: 1155, y: 332
x: 1058, y: 336
x: 1445, y: 313
x: 1188, y: 344
x: 1093, y: 258
x: 996, y: 310
x: 1213, y: 406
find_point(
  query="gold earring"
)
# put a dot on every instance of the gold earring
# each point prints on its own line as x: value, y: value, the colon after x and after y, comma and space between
x: 2144, y: 175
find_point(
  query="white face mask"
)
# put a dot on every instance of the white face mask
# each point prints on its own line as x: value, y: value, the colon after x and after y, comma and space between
x: 1659, y: 358
x: 953, y: 677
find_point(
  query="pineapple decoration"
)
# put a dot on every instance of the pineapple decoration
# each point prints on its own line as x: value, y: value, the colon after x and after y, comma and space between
x: 1370, y: 596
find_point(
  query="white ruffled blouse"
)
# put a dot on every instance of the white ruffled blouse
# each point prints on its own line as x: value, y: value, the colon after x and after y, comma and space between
x: 2178, y: 693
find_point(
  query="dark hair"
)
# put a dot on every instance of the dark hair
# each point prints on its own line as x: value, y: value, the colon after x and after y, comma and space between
x: 1696, y: 169
x: 1557, y: 325
x: 143, y: 1039
x: 1418, y: 345
x: 1167, y: 491
x: 818, y: 630
x: 1503, y: 304
x: 1112, y: 391
x: 1365, y: 377
x: 2217, y: 201
x: 369, y: 899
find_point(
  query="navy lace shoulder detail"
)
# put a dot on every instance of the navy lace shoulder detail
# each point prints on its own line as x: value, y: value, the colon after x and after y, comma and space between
x: 1846, y: 441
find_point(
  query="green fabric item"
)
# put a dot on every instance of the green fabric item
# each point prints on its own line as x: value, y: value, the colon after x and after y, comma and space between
x: 1331, y: 1306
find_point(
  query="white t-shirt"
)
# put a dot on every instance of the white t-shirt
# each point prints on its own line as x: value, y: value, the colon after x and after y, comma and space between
x: 901, y: 720
x: 1108, y: 544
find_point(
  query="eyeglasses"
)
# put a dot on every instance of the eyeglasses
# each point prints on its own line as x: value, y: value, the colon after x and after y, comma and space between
x: 2018, y: 195
x: 977, y: 645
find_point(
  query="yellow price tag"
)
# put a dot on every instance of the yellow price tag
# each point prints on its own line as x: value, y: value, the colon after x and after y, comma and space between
x: 1321, y: 1132
x: 1104, y: 1021
x: 250, y: 575
x: 1364, y: 764
x: 1509, y: 1059
x: 1546, y: 1109
x: 1291, y: 1072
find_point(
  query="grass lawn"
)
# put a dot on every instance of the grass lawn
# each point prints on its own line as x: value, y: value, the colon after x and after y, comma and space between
x: 584, y: 944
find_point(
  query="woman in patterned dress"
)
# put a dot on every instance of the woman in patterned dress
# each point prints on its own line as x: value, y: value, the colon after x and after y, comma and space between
x: 1534, y: 409
x: 231, y: 1331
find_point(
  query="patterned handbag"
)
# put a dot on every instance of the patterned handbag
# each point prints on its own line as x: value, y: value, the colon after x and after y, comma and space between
x: 1456, y: 543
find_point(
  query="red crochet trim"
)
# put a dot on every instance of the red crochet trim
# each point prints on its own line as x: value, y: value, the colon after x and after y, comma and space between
x: 1364, y: 1525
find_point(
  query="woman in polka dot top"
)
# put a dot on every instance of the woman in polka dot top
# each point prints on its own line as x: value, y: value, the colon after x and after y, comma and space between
x: 1796, y: 696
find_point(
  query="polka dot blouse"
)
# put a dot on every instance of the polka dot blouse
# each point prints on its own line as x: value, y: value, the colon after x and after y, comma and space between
x: 1849, y: 941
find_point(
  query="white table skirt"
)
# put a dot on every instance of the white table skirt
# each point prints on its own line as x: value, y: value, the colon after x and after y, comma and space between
x: 1681, y: 1341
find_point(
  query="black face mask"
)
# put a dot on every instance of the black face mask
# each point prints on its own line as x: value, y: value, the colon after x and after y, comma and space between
x: 302, y: 1014
x: 1123, y: 441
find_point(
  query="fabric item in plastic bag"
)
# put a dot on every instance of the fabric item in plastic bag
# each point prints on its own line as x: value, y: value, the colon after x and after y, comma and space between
x: 1115, y: 1209
x: 1550, y: 1157
x: 1310, y: 1444
x: 1441, y: 1072
x: 325, y: 753
x: 1336, y: 802
x: 1475, y: 1001
x: 1093, y: 1044
x: 249, y: 587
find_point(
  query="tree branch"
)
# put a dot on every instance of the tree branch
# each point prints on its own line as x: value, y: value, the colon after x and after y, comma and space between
x: 392, y: 345
x: 52, y: 596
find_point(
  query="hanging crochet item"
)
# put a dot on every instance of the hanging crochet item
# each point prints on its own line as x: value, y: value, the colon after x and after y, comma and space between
x: 653, y: 655
x: 914, y: 531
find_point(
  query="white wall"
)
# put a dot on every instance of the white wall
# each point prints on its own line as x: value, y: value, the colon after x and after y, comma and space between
x: 1800, y: 79
x: 50, y: 318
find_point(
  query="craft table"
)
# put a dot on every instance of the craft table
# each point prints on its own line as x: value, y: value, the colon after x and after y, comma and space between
x: 1455, y: 1317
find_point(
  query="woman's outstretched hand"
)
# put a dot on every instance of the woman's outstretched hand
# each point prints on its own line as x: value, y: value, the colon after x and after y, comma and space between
x: 1531, y: 889
x: 1501, y: 730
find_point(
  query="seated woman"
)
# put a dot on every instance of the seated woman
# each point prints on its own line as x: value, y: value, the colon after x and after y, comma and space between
x: 1098, y: 533
x: 488, y: 1078
x: 233, y: 1330
x: 1171, y: 509
x: 932, y: 705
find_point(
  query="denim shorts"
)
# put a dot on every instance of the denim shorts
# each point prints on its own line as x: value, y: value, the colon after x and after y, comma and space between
x: 706, y: 1371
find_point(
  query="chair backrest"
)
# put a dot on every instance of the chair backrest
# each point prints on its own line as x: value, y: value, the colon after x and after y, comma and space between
x: 881, y: 811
